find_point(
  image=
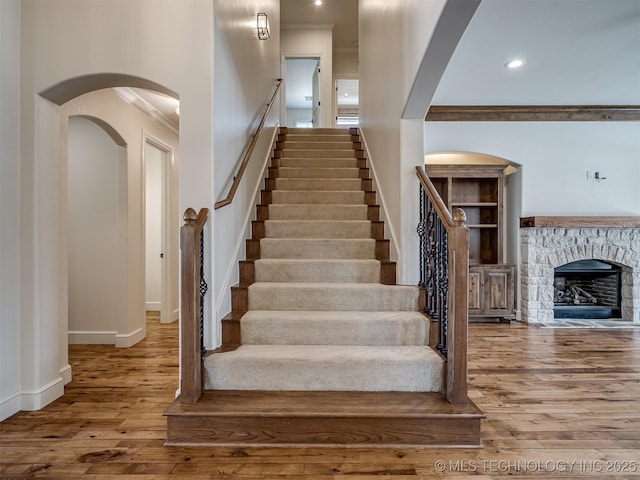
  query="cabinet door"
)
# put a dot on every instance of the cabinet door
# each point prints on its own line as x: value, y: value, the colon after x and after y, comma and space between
x: 475, y: 291
x: 498, y: 284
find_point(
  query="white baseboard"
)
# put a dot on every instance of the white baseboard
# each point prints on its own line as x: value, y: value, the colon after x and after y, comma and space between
x: 10, y: 406
x: 65, y: 373
x: 92, y: 338
x: 44, y: 396
x: 120, y: 340
x: 126, y: 340
x: 152, y: 306
x: 36, y: 399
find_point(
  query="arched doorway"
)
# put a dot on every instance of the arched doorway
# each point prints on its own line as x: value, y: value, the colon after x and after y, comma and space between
x: 53, y: 107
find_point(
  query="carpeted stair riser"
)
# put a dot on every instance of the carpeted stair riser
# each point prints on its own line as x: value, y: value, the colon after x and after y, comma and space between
x: 317, y: 132
x: 324, y: 145
x: 318, y: 154
x: 318, y: 184
x: 317, y: 229
x: 317, y: 212
x: 355, y: 197
x: 318, y: 172
x: 325, y: 271
x: 325, y: 368
x: 334, y: 328
x: 295, y: 137
x: 332, y: 296
x: 302, y: 248
x: 319, y: 162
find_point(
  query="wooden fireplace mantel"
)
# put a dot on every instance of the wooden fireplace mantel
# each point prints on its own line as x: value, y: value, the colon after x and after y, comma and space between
x: 580, y: 222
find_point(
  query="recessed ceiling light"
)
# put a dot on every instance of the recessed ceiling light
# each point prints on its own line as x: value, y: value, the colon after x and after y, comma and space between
x: 515, y: 63
x: 346, y: 94
x: 318, y: 2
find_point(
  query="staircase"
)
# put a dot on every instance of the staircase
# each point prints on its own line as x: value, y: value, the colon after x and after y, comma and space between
x: 322, y: 347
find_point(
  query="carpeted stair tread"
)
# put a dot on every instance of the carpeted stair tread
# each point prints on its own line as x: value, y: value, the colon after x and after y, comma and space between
x: 338, y: 197
x: 321, y: 270
x: 317, y: 228
x: 325, y: 368
x: 345, y: 248
x: 319, y: 172
x: 322, y: 184
x: 332, y: 296
x: 270, y: 327
x: 317, y: 212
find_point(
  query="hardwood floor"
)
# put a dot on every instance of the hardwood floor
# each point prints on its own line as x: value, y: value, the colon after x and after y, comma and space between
x: 552, y: 397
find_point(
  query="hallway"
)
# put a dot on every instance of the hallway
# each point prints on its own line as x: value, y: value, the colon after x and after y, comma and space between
x: 552, y: 397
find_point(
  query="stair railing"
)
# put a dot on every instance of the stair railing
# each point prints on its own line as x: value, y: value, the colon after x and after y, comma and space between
x: 194, y: 288
x: 444, y: 270
x: 248, y: 151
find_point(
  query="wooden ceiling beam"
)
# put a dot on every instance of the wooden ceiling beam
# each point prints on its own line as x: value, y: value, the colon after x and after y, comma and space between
x: 532, y: 113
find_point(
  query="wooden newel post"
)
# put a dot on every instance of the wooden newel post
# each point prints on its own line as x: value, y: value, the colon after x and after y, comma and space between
x: 458, y: 310
x: 190, y: 359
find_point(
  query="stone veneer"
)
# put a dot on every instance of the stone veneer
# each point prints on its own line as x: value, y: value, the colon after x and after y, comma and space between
x: 543, y: 249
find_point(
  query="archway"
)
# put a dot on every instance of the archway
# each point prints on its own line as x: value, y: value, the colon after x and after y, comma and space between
x: 49, y: 217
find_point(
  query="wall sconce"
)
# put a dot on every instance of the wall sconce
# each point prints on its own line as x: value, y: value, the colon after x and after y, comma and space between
x: 263, y: 26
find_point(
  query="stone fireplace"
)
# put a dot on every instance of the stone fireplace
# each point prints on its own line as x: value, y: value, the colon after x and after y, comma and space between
x: 563, y: 243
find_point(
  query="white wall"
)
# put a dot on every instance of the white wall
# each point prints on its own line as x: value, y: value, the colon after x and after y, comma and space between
x: 169, y: 43
x: 555, y: 157
x: 245, y: 73
x: 96, y: 234
x: 393, y: 40
x: 314, y: 41
x: 298, y: 115
x: 345, y: 63
x: 10, y: 366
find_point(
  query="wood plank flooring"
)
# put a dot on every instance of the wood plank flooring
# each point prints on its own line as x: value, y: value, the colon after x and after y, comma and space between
x: 559, y: 403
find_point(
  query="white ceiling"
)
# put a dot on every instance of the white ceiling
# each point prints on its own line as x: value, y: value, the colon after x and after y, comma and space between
x: 577, y: 52
x: 342, y: 14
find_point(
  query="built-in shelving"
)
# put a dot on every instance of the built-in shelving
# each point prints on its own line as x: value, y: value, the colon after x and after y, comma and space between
x: 478, y: 190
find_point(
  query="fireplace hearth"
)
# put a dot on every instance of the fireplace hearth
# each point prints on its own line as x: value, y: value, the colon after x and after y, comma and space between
x: 587, y: 289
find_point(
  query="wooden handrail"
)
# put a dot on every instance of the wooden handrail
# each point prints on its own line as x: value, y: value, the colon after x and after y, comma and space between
x: 457, y: 265
x: 190, y: 351
x: 245, y: 161
x: 436, y: 199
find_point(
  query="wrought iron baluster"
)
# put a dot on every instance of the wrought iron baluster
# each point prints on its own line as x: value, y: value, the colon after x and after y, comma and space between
x: 203, y: 291
x: 434, y: 266
x: 442, y: 284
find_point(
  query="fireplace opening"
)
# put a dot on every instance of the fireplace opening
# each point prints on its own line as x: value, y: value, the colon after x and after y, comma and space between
x: 587, y: 289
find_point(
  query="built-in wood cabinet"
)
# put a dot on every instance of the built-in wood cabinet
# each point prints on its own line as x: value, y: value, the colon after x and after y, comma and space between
x: 479, y: 191
x: 491, y: 291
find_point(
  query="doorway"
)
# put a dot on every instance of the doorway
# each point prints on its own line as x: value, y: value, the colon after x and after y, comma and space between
x: 302, y: 104
x: 347, y: 102
x: 157, y: 159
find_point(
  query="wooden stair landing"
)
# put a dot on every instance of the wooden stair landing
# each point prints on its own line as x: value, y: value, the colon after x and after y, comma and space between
x: 323, y: 419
